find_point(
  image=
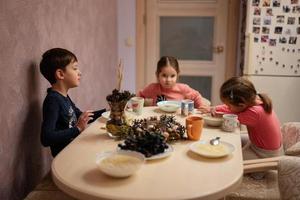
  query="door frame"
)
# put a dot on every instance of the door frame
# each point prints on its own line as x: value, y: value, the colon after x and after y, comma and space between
x: 231, y: 51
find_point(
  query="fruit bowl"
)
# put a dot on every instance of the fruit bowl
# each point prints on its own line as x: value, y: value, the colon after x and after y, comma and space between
x: 120, y: 163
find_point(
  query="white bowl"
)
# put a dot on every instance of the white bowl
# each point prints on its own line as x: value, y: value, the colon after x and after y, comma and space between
x: 169, y: 106
x: 212, y: 121
x: 120, y: 163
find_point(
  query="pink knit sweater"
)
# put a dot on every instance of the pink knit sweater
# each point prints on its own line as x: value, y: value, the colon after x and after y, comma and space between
x: 179, y: 92
x: 263, y: 128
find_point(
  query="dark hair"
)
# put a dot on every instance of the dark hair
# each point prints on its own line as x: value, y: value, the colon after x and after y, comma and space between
x: 53, y: 59
x: 167, y: 61
x: 239, y: 90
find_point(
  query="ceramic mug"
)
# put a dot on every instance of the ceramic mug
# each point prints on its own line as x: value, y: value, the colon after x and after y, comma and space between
x: 137, y: 104
x: 187, y: 107
x: 194, y: 126
x: 230, y: 122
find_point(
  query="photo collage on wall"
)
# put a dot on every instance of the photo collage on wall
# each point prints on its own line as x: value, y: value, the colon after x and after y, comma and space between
x: 275, y: 24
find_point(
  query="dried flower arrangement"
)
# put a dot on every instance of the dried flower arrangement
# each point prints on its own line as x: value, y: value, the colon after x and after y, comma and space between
x: 165, y: 125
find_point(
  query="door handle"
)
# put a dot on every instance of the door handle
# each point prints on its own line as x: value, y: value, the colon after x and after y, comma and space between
x: 218, y: 49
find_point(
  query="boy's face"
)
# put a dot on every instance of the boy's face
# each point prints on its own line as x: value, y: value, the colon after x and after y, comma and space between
x: 72, y: 75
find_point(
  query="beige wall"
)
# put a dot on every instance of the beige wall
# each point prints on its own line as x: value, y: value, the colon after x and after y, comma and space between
x: 28, y: 28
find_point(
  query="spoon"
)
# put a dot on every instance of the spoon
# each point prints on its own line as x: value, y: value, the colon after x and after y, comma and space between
x: 215, y: 141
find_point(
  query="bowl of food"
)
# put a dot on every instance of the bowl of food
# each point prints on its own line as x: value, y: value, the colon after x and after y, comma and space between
x: 120, y: 163
x: 169, y: 106
x: 212, y: 120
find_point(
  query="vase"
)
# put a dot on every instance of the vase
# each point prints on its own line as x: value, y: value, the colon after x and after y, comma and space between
x: 116, y: 126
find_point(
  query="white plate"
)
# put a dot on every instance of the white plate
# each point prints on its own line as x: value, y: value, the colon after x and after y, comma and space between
x: 169, y: 106
x: 204, y: 148
x: 165, y: 154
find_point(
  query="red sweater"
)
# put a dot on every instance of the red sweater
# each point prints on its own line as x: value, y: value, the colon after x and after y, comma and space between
x: 263, y: 128
x: 179, y: 92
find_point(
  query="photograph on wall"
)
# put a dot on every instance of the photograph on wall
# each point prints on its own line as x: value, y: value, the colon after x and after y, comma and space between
x: 256, y: 39
x: 293, y: 40
x: 276, y: 3
x: 298, y: 30
x: 272, y: 42
x: 266, y: 3
x: 256, y: 30
x: 256, y: 11
x: 255, y: 2
x: 296, y: 9
x: 265, y: 30
x: 264, y: 38
x: 278, y: 30
x: 280, y: 19
x: 282, y: 40
x: 291, y: 20
x: 294, y: 1
x: 269, y: 12
x: 286, y: 9
x: 267, y: 20
x: 256, y: 21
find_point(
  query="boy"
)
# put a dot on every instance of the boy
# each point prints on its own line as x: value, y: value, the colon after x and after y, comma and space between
x: 62, y: 120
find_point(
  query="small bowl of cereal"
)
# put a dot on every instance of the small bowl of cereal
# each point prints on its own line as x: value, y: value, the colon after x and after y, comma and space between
x: 212, y: 120
x: 120, y: 163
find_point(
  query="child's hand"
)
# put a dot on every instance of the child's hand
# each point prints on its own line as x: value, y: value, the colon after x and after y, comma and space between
x: 204, y: 109
x: 215, y: 113
x: 148, y: 102
x: 84, y: 118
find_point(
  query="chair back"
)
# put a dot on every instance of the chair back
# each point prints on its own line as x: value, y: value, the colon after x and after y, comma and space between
x: 291, y: 137
x: 289, y: 177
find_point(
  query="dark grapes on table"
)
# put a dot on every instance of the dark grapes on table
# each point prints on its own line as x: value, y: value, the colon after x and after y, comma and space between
x: 148, y: 143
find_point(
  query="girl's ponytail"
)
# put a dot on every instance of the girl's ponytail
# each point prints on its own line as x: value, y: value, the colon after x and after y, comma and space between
x: 267, y: 102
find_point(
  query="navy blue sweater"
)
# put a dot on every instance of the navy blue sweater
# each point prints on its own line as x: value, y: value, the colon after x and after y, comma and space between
x: 59, y: 121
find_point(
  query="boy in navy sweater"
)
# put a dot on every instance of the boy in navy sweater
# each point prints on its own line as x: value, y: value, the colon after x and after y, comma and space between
x: 62, y: 120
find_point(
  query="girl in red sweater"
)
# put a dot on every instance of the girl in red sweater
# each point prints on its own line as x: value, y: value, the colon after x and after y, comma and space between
x: 255, y: 111
x: 167, y: 88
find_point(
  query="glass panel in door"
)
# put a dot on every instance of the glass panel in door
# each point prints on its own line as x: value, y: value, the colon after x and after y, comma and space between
x: 187, y: 38
x: 201, y: 83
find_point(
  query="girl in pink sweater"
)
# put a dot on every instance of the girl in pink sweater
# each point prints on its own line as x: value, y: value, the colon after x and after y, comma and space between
x: 167, y: 88
x: 255, y: 111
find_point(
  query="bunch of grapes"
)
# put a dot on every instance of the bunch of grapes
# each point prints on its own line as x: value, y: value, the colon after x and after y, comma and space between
x: 118, y: 96
x: 148, y: 143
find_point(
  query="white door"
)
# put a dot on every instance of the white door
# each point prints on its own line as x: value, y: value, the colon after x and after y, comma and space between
x: 194, y: 31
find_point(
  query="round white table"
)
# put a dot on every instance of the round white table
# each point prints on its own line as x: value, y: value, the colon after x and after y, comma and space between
x: 182, y: 175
